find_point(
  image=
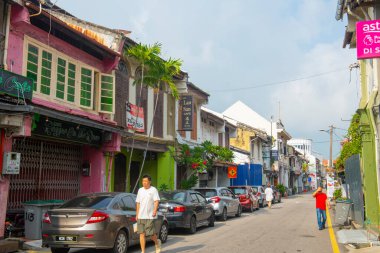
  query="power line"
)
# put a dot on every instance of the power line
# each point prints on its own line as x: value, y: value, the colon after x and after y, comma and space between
x: 280, y: 82
x: 317, y: 142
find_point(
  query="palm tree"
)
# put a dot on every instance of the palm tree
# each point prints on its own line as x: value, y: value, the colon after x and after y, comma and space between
x: 158, y: 72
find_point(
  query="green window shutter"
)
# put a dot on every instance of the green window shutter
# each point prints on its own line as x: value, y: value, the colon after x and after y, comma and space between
x: 46, y: 72
x: 107, y: 94
x: 32, y: 65
x: 71, y: 83
x: 86, y: 88
x: 61, y: 78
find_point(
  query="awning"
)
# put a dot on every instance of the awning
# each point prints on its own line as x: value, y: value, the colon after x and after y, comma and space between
x: 15, y: 108
x: 141, y: 145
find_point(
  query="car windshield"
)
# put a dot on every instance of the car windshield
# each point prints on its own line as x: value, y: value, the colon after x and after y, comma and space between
x: 238, y: 191
x: 208, y: 193
x: 95, y: 202
x: 176, y: 196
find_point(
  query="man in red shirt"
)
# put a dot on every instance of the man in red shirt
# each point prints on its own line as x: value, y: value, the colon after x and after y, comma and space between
x: 321, y: 202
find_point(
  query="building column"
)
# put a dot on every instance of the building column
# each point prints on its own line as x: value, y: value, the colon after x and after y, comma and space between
x: 6, y: 146
x: 369, y: 174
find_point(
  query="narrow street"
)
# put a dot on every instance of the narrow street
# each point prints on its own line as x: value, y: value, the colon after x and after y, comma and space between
x: 288, y: 227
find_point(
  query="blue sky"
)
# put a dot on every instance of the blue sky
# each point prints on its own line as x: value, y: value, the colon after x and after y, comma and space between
x: 227, y: 44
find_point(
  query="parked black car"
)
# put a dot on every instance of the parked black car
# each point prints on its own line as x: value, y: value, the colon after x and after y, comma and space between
x: 186, y: 209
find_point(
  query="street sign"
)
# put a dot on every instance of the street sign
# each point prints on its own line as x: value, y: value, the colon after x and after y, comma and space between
x: 232, y: 172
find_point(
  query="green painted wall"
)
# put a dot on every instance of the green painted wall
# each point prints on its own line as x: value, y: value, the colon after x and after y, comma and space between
x: 370, y: 184
x: 161, y: 169
x: 166, y: 170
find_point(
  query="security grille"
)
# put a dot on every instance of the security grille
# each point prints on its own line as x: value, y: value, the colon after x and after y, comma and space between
x: 49, y: 170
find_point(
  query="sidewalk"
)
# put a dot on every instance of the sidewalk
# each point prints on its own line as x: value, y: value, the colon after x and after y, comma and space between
x: 353, y: 240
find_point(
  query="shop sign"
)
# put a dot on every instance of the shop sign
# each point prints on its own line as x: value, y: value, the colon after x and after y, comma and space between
x: 232, y: 172
x: 368, y: 39
x: 187, y: 113
x: 15, y: 85
x: 135, y: 118
x: 63, y: 130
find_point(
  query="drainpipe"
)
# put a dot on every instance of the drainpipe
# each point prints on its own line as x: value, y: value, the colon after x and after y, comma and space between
x: 7, y: 37
x: 40, y: 11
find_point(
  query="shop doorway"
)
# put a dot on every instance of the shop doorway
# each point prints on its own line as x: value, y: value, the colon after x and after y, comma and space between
x: 120, y: 176
x: 135, y: 170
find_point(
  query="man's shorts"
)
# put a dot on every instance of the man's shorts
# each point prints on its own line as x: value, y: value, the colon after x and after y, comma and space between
x: 146, y: 227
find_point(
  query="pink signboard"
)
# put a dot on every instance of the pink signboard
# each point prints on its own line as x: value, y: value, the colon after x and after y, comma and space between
x: 368, y: 39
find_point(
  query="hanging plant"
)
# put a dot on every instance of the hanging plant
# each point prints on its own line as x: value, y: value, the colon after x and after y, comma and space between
x: 201, y: 158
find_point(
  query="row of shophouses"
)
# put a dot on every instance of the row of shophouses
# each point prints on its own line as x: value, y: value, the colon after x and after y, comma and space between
x: 362, y: 172
x: 66, y: 91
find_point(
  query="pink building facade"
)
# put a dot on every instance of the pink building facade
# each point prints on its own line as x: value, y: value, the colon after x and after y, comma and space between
x: 67, y: 136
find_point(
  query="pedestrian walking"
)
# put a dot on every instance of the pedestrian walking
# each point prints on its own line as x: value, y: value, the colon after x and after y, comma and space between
x: 146, y: 212
x: 269, y: 195
x: 321, y: 203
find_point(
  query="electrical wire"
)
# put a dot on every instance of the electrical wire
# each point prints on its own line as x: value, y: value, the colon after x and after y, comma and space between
x: 319, y: 142
x: 280, y: 82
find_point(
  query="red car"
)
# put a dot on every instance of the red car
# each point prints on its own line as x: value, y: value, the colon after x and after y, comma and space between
x: 247, y: 199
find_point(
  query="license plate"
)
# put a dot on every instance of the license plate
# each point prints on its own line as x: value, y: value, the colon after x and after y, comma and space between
x: 164, y: 210
x: 66, y: 238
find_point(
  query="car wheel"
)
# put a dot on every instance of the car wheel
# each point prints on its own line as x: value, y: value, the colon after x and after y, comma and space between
x: 193, y: 225
x: 164, y: 232
x: 121, y: 243
x: 60, y: 250
x: 224, y: 216
x: 238, y: 214
x: 211, y: 221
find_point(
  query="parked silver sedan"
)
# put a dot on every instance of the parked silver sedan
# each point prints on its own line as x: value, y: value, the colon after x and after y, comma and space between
x: 97, y: 221
x: 223, y: 200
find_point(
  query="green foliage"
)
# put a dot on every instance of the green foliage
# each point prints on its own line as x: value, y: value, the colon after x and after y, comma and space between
x: 281, y: 188
x: 202, y: 157
x: 156, y: 71
x: 337, y: 194
x: 189, y: 183
x: 353, y: 146
x: 163, y: 188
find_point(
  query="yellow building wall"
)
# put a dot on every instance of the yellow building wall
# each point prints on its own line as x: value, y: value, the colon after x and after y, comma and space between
x: 242, y: 139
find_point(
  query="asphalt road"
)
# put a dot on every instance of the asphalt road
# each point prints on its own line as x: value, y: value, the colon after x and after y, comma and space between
x: 288, y: 227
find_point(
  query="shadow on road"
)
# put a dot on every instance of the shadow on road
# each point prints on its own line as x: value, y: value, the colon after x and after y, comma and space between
x: 186, y: 248
x: 200, y: 230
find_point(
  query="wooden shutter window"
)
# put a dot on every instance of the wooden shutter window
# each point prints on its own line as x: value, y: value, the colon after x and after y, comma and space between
x: 195, y: 125
x: 181, y: 132
x: 158, y: 129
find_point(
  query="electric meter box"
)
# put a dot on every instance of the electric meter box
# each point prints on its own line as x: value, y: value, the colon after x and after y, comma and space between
x: 11, y: 163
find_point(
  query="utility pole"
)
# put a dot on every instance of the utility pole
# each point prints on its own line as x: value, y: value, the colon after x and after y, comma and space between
x: 331, y: 145
x: 331, y: 132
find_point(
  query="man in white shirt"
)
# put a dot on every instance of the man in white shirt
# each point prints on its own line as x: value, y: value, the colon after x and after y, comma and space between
x: 146, y: 212
x: 269, y: 195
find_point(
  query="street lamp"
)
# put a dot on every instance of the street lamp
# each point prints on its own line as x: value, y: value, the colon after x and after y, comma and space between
x: 330, y: 131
